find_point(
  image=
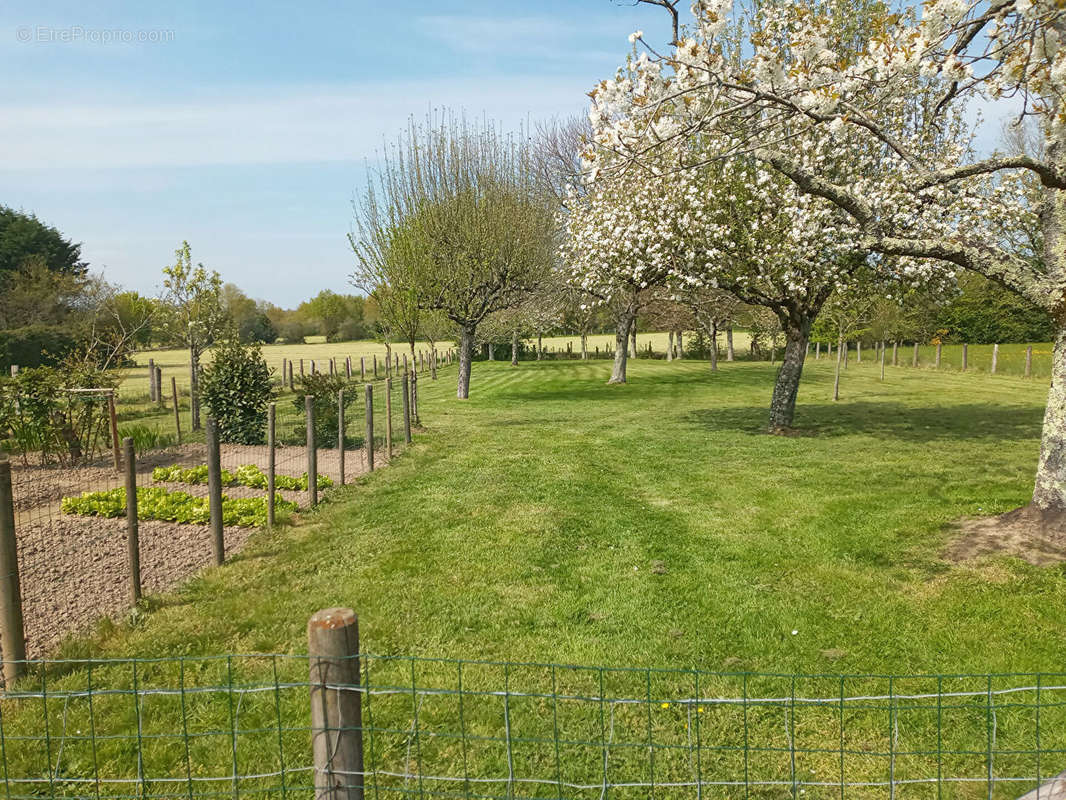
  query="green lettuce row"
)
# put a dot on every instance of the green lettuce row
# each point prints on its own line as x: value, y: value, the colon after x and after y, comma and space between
x: 247, y: 475
x: 154, y: 502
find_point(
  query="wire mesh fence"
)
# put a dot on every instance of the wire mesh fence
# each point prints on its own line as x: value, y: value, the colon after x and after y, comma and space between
x: 69, y: 496
x: 243, y: 726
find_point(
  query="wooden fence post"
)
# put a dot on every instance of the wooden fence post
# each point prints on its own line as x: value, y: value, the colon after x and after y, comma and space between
x: 348, y: 367
x: 159, y: 388
x: 152, y: 391
x: 272, y: 465
x: 858, y: 351
x: 406, y: 409
x: 214, y: 490
x: 362, y: 368
x: 133, y: 541
x: 113, y: 419
x: 336, y: 704
x: 1028, y: 361
x: 882, y: 360
x: 414, y: 399
x: 375, y: 366
x: 340, y: 434
x: 939, y: 348
x: 433, y: 364
x: 965, y: 356
x: 312, y: 452
x: 995, y: 358
x: 301, y: 367
x: 914, y: 358
x: 12, y: 630
x: 177, y: 410
x: 388, y: 418
x: 369, y: 427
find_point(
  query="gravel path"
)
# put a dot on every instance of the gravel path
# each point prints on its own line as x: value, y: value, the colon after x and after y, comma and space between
x: 74, y: 569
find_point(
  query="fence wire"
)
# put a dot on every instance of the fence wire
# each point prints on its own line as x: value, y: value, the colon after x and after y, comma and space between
x: 239, y: 726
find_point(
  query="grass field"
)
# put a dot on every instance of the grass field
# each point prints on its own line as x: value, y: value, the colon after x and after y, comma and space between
x: 555, y: 519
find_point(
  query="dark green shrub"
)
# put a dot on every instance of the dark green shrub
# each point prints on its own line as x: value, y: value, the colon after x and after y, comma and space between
x: 236, y: 389
x: 323, y: 388
x: 37, y: 345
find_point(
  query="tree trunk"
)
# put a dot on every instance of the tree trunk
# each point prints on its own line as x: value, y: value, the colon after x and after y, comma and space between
x: 584, y: 346
x: 633, y: 333
x: 491, y: 351
x: 194, y: 386
x: 514, y: 348
x: 540, y: 345
x: 670, y: 346
x: 626, y: 320
x: 466, y: 350
x: 729, y: 343
x: 680, y: 347
x: 714, y: 347
x: 786, y: 387
x: 1049, y: 493
x: 836, y: 378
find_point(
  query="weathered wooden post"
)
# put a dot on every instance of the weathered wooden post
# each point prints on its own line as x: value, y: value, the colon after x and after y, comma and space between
x: 12, y: 630
x: 292, y: 378
x: 414, y: 399
x: 159, y: 388
x: 214, y: 490
x: 336, y: 704
x: 406, y: 409
x: 370, y: 427
x: 388, y: 418
x: 153, y: 392
x: 1028, y: 361
x: 177, y: 409
x: 433, y: 364
x: 882, y: 360
x: 858, y: 351
x: 995, y: 358
x: 113, y: 420
x: 914, y: 358
x: 314, y: 369
x: 272, y: 465
x: 301, y: 367
x: 965, y: 356
x: 133, y: 541
x: 375, y: 366
x: 348, y: 367
x: 939, y: 348
x: 406, y: 366
x: 362, y: 368
x: 284, y: 372
x: 312, y: 452
x: 340, y: 434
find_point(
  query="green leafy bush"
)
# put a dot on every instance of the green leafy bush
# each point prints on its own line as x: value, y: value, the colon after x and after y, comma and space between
x: 236, y: 390
x: 323, y: 389
x: 37, y: 345
x: 247, y: 475
x: 157, y: 503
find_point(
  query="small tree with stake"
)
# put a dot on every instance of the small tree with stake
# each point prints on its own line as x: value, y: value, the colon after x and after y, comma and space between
x: 459, y: 207
x: 194, y: 302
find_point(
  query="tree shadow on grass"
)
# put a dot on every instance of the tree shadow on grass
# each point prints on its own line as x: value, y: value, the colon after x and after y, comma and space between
x: 885, y: 420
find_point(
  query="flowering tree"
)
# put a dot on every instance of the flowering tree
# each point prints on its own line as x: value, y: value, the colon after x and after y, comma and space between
x: 767, y: 77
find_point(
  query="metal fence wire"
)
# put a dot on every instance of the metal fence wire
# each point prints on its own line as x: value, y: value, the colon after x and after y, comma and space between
x: 240, y: 726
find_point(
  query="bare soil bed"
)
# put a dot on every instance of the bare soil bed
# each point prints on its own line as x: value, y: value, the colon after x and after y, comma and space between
x: 74, y: 570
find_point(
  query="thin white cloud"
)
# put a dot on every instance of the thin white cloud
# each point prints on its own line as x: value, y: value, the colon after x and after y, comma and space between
x: 330, y: 123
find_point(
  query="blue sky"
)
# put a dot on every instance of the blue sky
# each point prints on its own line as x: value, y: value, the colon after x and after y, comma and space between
x: 245, y: 129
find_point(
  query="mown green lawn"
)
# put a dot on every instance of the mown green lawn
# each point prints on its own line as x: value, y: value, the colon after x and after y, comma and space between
x: 527, y: 523
x: 554, y: 519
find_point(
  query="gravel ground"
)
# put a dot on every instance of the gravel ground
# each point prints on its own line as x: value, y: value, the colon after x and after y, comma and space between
x: 73, y: 570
